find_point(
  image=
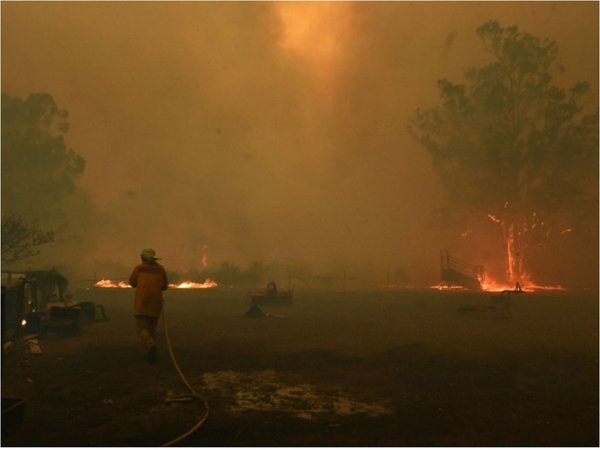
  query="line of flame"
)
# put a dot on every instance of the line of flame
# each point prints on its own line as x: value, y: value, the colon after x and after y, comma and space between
x: 490, y: 285
x: 112, y: 284
x: 208, y: 283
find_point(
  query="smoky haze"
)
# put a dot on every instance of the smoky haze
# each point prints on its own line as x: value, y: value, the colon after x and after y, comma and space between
x: 264, y: 131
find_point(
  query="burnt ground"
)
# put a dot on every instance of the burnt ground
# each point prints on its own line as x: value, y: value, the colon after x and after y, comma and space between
x: 401, y: 368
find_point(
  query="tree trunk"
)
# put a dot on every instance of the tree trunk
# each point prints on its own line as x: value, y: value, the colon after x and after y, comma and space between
x: 513, y: 236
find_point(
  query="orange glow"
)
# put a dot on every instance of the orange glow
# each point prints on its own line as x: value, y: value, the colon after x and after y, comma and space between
x: 527, y: 285
x: 112, y: 284
x: 495, y: 286
x: 510, y: 252
x: 494, y: 218
x: 490, y: 285
x: 208, y: 283
x: 316, y: 33
x: 447, y: 287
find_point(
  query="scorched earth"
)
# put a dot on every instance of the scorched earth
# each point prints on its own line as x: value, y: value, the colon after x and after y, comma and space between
x: 333, y: 368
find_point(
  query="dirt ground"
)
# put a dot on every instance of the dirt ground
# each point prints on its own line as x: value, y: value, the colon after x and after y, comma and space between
x: 386, y: 368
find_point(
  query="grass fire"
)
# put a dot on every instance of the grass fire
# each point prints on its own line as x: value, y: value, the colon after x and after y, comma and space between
x: 208, y: 283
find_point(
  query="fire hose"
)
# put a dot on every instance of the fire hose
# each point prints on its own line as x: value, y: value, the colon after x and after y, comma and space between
x: 188, y: 385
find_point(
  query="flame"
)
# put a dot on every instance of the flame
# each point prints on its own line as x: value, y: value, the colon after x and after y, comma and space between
x: 527, y: 285
x: 490, y: 285
x: 208, y: 283
x: 112, y: 284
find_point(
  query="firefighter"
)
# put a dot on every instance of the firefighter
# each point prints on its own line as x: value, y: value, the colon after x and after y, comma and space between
x: 150, y: 279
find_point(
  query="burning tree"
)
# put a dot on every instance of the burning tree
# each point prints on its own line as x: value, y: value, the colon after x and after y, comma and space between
x: 512, y: 146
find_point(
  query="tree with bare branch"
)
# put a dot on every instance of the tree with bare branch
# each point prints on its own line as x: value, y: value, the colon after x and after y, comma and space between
x: 21, y: 240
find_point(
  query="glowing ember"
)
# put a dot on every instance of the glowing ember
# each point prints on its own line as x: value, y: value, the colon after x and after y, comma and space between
x: 208, y: 283
x: 537, y: 287
x: 494, y: 218
x: 448, y: 287
x: 112, y: 284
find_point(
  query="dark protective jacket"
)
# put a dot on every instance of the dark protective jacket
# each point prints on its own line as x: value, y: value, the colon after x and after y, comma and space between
x: 149, y: 279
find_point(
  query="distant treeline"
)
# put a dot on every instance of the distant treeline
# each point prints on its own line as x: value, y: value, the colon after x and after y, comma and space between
x: 258, y: 274
x: 230, y: 274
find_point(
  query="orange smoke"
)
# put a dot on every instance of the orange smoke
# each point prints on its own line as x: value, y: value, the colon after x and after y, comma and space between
x: 316, y: 34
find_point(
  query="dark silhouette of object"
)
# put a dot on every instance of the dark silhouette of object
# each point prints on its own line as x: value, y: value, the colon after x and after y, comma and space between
x: 45, y: 286
x: 456, y: 272
x: 37, y: 302
x: 499, y: 308
x: 254, y: 312
x: 271, y: 289
x: 27, y: 296
x: 270, y: 295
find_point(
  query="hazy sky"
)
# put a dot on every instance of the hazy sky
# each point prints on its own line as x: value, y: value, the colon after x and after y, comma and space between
x: 272, y: 131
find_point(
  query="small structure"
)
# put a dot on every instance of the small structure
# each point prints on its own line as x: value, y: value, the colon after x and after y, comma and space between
x: 27, y: 294
x: 37, y: 301
x: 271, y: 295
x: 455, y: 272
x: 42, y: 286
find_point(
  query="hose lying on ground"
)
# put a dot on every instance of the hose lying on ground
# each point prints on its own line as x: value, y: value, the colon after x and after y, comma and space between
x: 187, y: 384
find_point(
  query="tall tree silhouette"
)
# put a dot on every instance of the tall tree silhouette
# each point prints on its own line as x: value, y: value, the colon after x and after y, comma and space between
x: 38, y: 172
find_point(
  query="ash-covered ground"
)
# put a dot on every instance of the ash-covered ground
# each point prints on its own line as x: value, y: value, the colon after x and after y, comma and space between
x: 385, y: 368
